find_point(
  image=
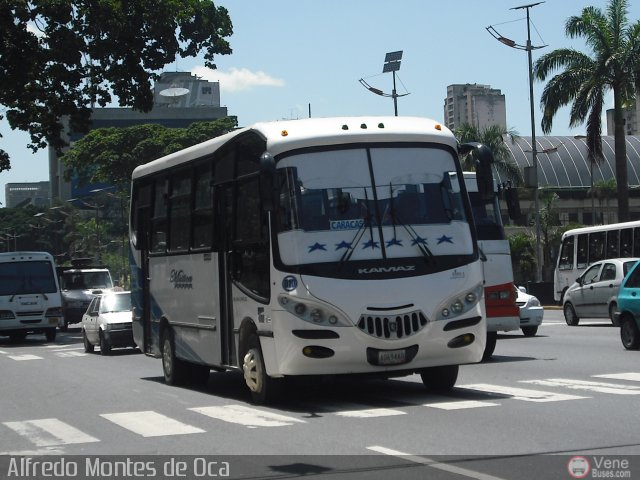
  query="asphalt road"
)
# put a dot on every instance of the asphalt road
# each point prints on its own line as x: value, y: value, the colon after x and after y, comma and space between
x: 540, y: 402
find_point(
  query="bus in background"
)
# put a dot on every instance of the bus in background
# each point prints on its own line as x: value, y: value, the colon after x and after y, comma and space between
x: 29, y: 295
x: 503, y: 315
x: 308, y: 247
x: 580, y: 247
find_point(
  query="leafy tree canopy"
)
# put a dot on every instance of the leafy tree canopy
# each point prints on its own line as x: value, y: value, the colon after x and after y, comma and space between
x: 109, y: 155
x: 60, y: 58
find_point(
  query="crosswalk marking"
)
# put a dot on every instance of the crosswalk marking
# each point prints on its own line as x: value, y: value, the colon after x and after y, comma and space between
x: 461, y: 404
x: 150, y: 424
x: 369, y: 413
x: 600, y: 387
x: 71, y: 354
x: 631, y: 376
x: 50, y: 432
x: 25, y: 357
x: 521, y: 393
x: 249, y: 417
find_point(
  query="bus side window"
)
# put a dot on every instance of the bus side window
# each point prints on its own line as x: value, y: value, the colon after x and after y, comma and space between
x: 636, y: 242
x: 613, y: 242
x: 582, y: 259
x: 626, y: 240
x: 159, y: 218
x: 596, y: 246
x: 566, y: 254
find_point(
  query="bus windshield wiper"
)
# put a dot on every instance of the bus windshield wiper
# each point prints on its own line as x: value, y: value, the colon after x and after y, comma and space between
x: 422, y: 245
x: 356, y: 239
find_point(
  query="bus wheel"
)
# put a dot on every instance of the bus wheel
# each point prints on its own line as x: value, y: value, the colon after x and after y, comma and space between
x: 173, y: 368
x: 50, y: 334
x: 105, y: 348
x: 88, y: 346
x: 492, y: 338
x: 570, y: 315
x: 629, y: 334
x: 263, y: 387
x: 439, y: 379
x: 530, y: 331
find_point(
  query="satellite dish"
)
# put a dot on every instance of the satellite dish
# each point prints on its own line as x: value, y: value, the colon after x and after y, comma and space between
x: 173, y: 94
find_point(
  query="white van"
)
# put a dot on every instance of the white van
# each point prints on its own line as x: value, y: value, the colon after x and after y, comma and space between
x: 30, y: 299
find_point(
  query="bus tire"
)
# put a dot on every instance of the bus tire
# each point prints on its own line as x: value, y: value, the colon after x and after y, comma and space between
x: 173, y: 368
x: 88, y: 346
x: 105, y: 348
x: 264, y: 388
x: 530, y: 331
x: 629, y: 333
x: 439, y: 379
x: 570, y: 315
x: 490, y: 346
x: 50, y: 334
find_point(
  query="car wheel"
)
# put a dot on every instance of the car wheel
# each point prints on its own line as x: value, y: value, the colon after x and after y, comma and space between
x: 88, y: 346
x: 173, y: 368
x: 612, y: 314
x: 490, y: 346
x: 530, y: 331
x: 570, y: 315
x: 629, y: 334
x: 50, y: 334
x: 264, y: 388
x: 440, y: 379
x: 105, y: 348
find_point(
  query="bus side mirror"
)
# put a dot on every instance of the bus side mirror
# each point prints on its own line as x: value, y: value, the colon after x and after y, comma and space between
x: 267, y: 181
x: 513, y: 203
x: 483, y: 161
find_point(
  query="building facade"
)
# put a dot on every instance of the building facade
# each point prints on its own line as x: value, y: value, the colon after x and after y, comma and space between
x: 477, y: 105
x: 28, y: 193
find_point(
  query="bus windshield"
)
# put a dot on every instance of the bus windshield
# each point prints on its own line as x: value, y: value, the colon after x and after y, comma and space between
x: 22, y: 278
x: 381, y: 202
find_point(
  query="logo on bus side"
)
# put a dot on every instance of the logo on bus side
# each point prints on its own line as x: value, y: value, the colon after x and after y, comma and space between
x: 180, y: 279
x: 289, y: 283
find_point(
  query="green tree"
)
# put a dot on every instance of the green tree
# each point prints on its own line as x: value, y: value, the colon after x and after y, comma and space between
x: 109, y: 155
x: 493, y: 137
x: 604, y: 190
x: 550, y: 229
x: 523, y: 258
x: 61, y: 58
x: 614, y: 65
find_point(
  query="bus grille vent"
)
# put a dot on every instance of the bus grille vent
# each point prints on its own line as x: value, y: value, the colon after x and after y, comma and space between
x: 30, y: 314
x: 393, y: 327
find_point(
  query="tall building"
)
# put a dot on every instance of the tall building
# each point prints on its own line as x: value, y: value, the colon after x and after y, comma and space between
x: 477, y: 105
x: 631, y: 116
x: 180, y: 99
x: 23, y: 194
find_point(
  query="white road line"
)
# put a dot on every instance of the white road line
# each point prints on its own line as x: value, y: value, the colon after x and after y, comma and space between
x: 70, y: 346
x: 461, y: 404
x: 521, y: 393
x: 71, y: 354
x: 434, y: 463
x: 20, y: 358
x: 249, y: 417
x: 631, y: 376
x: 599, y: 387
x: 2, y: 352
x: 67, y: 349
x: 50, y: 432
x: 150, y: 424
x: 369, y: 413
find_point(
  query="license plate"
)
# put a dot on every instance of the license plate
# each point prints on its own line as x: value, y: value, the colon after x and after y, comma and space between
x: 391, y: 357
x: 53, y: 321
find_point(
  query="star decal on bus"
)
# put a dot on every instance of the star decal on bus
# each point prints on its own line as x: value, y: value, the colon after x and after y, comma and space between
x: 394, y: 241
x: 317, y: 246
x: 342, y: 245
x: 419, y: 240
x: 444, y: 239
x: 371, y: 244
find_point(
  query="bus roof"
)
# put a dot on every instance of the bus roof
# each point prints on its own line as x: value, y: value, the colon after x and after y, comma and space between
x: 601, y: 228
x: 282, y: 136
x: 22, y: 256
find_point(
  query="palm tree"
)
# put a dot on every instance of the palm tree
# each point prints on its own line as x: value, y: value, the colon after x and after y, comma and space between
x: 493, y: 137
x: 614, y: 65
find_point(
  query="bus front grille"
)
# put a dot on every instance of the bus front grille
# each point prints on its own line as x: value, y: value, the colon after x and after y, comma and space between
x: 38, y: 313
x: 393, y: 327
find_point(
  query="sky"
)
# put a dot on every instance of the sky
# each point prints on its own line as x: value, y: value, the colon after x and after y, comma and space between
x: 292, y: 57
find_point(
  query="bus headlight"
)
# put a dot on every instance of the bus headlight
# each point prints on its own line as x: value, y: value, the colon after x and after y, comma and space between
x: 313, y: 311
x: 459, y: 305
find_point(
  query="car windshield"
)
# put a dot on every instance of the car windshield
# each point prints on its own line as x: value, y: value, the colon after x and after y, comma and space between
x: 86, y: 280
x: 116, y: 303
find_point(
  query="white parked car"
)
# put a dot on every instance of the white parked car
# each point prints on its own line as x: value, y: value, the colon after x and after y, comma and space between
x: 595, y: 293
x: 107, y: 323
x: 531, y: 312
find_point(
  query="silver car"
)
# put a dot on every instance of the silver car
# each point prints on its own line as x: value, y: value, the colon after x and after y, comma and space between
x: 594, y: 293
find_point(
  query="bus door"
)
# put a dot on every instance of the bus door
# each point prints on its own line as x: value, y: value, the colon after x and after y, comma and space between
x: 225, y: 260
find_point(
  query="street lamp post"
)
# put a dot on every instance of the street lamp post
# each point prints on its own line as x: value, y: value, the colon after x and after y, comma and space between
x: 534, y: 154
x: 392, y: 64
